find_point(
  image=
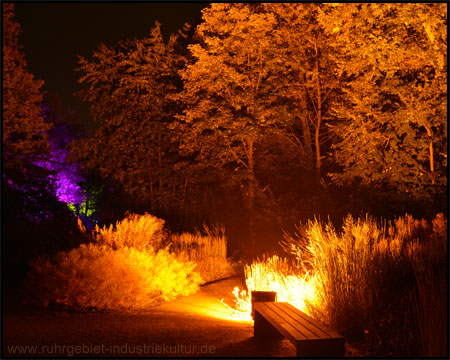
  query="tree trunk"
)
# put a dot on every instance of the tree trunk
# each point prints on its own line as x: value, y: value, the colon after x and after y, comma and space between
x: 307, y: 144
x: 318, y: 118
x: 317, y: 143
x: 184, y: 189
x: 432, y: 162
x: 251, y: 193
x: 430, y: 134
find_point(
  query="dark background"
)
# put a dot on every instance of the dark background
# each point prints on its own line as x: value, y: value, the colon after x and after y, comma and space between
x: 54, y: 33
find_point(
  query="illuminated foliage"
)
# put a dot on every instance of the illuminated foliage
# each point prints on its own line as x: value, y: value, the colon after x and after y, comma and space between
x: 99, y: 277
x: 208, y: 251
x: 28, y: 192
x: 24, y: 129
x: 142, y: 232
x: 279, y: 275
x: 126, y: 266
x: 127, y: 87
x: 229, y: 97
x: 307, y: 80
x: 370, y: 279
x: 391, y: 119
x: 71, y: 186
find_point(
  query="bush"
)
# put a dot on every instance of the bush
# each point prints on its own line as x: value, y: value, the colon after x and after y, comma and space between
x: 123, y: 268
x: 99, y: 277
x: 142, y: 232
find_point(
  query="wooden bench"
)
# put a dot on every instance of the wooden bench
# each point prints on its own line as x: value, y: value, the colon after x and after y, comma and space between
x: 310, y: 337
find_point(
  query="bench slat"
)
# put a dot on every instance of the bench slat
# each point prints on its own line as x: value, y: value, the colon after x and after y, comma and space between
x: 289, y: 315
x: 310, y: 337
x: 286, y: 329
x: 299, y: 322
x: 302, y: 318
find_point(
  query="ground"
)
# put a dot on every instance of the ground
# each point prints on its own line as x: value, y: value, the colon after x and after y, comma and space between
x: 198, y: 325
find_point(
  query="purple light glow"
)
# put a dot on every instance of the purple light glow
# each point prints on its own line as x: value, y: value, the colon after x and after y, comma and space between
x: 66, y: 176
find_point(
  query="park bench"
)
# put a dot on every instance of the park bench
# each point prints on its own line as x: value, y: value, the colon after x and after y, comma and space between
x: 310, y: 337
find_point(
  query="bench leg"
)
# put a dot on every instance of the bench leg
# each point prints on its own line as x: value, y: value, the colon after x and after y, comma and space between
x: 264, y: 330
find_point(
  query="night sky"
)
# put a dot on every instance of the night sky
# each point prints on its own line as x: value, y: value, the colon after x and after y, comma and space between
x: 53, y: 34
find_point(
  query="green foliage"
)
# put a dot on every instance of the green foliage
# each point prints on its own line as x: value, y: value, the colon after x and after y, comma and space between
x: 391, y: 117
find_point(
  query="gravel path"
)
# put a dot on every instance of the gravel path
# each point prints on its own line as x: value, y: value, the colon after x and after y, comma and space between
x: 198, y: 325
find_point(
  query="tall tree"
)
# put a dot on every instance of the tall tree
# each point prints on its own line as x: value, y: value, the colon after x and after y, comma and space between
x: 229, y: 93
x: 392, y: 116
x: 24, y: 128
x: 308, y: 80
x: 128, y: 87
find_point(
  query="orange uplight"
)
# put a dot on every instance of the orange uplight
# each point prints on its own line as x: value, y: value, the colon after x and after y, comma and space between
x: 299, y: 291
x: 210, y: 307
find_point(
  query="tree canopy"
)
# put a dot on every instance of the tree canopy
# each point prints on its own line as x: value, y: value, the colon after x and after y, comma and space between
x: 270, y: 94
x: 24, y: 128
x: 391, y: 117
x: 229, y: 96
x: 128, y: 87
x: 28, y: 190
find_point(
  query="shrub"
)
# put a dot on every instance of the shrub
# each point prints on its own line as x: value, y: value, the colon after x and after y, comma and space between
x: 129, y: 266
x: 125, y: 267
x: 100, y: 277
x: 142, y: 232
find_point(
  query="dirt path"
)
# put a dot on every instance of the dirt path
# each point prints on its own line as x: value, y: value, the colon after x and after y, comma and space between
x: 196, y: 325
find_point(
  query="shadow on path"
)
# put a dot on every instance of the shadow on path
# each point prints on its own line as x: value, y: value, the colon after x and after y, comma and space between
x: 198, y: 325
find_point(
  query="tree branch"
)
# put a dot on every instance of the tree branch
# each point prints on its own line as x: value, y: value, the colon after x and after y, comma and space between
x: 238, y: 159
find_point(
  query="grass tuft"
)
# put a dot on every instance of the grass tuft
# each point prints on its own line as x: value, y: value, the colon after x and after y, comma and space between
x: 383, y: 284
x: 208, y: 250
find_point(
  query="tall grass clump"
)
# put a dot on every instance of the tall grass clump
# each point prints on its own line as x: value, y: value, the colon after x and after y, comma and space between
x: 208, y: 250
x: 430, y: 302
x: 280, y: 275
x: 381, y: 282
x: 123, y: 268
